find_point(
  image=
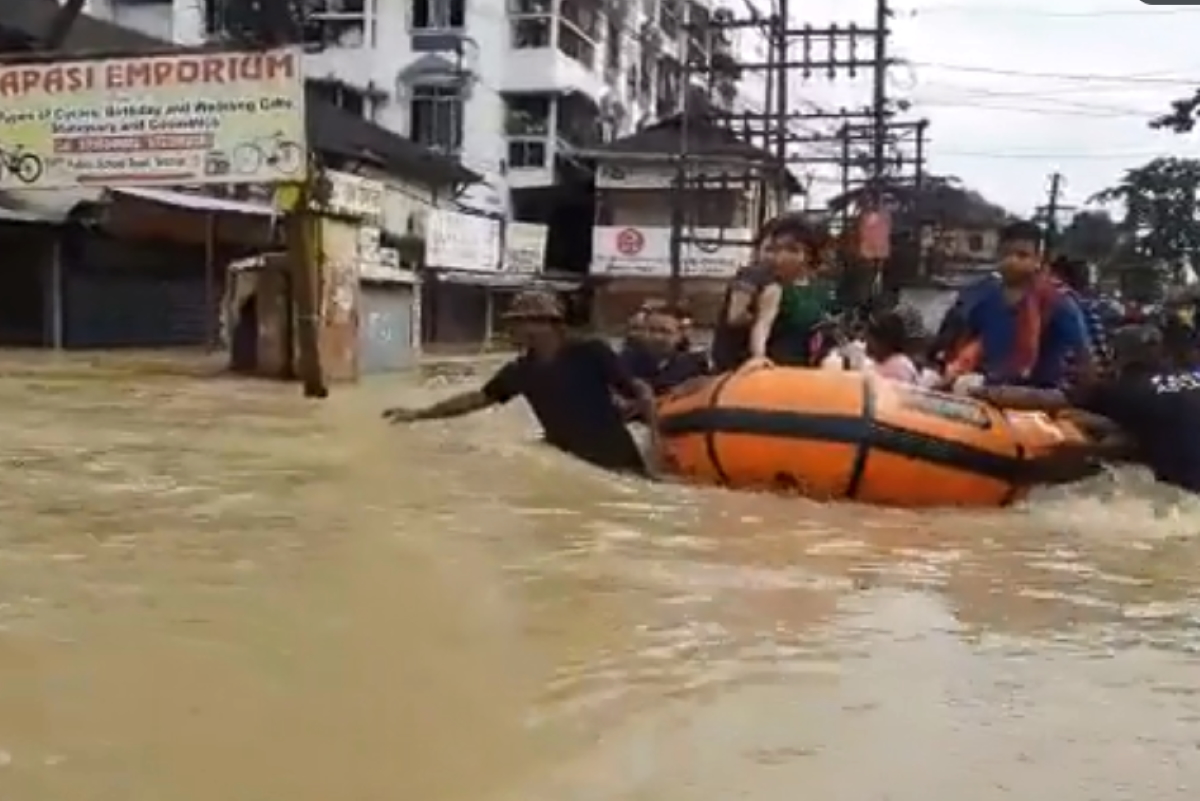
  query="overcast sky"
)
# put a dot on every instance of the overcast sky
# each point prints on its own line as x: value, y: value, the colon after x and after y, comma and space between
x: 1006, y: 87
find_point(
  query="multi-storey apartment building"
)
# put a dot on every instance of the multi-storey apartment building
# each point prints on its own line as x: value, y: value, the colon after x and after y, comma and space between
x: 511, y: 88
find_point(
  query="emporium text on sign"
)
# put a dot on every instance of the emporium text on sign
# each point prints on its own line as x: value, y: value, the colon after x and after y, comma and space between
x: 230, y: 118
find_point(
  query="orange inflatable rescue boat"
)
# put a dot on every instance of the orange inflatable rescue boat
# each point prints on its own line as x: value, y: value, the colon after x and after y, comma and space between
x: 844, y: 435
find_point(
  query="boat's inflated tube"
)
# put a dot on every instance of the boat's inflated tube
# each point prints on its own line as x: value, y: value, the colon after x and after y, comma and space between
x: 829, y: 434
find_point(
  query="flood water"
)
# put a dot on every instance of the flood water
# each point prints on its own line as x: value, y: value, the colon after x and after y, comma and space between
x: 214, y: 590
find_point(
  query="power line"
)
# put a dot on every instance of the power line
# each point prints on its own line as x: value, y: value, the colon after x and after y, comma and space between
x: 1062, y: 76
x: 1100, y: 13
x: 1074, y: 156
x: 1045, y: 112
x: 1052, y: 93
x: 1053, y: 108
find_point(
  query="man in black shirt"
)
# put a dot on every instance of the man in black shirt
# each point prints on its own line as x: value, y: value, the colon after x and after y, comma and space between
x: 572, y: 387
x: 1153, y: 403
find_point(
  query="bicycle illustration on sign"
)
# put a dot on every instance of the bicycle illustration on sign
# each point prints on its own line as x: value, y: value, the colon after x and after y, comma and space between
x: 276, y: 152
x: 25, y: 166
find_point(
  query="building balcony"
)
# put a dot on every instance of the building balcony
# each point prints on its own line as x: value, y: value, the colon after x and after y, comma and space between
x: 549, y: 70
x: 552, y: 54
x: 352, y: 66
x: 530, y: 161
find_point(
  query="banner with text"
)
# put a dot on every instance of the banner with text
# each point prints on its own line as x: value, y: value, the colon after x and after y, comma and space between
x: 636, y: 251
x: 229, y: 118
x: 525, y: 247
x: 457, y: 241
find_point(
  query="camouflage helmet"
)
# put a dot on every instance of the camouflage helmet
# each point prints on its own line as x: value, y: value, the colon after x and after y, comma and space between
x: 535, y: 304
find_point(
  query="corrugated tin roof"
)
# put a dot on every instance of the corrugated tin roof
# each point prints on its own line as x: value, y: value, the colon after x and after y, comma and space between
x: 705, y: 136
x: 31, y: 19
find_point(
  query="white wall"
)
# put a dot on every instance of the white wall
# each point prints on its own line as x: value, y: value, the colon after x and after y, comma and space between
x: 152, y: 19
x: 489, y: 56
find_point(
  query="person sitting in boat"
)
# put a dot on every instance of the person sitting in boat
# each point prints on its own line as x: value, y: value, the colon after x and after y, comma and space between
x: 1019, y: 327
x: 731, y: 335
x: 1150, y: 400
x: 1072, y: 277
x: 570, y: 384
x: 952, y: 332
x: 790, y: 307
x: 668, y: 361
x: 633, y: 345
x: 687, y: 331
x: 891, y: 336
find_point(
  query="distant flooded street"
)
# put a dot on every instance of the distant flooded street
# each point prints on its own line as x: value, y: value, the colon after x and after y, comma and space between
x: 214, y: 590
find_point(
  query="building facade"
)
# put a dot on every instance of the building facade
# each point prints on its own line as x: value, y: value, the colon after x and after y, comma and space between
x: 105, y: 267
x: 729, y: 193
x: 509, y: 87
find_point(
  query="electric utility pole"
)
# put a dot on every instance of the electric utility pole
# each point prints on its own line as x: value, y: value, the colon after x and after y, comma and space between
x: 1051, y: 210
x: 679, y: 188
x: 798, y: 55
x: 902, y: 160
x: 879, y: 102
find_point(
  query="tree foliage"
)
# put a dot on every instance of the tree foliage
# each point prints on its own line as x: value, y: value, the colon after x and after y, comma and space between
x: 1092, y: 235
x: 1161, y: 221
x: 1182, y: 116
x: 941, y: 201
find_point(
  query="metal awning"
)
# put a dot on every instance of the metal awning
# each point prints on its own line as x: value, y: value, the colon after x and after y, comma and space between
x: 14, y: 216
x: 186, y: 200
x: 56, y: 205
x: 497, y: 280
x: 432, y: 69
x: 44, y: 205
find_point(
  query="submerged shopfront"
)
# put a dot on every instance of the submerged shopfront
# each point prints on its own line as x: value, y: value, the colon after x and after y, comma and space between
x: 475, y: 265
x: 133, y: 268
x: 368, y: 305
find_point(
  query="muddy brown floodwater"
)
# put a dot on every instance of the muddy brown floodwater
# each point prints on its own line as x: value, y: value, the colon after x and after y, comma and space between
x: 213, y: 590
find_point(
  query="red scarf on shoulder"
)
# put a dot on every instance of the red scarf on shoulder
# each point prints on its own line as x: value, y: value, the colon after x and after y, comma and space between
x: 1033, y: 312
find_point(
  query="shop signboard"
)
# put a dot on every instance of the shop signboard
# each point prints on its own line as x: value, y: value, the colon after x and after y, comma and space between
x: 186, y: 118
x: 629, y: 251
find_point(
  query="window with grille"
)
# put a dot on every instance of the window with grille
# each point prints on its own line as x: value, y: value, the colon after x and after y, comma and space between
x: 527, y: 154
x: 436, y: 118
x: 576, y: 45
x: 531, y: 32
x: 527, y: 115
x: 338, y: 23
x: 438, y: 15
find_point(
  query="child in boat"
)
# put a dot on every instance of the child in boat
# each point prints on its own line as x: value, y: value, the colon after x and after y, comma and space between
x: 731, y: 334
x: 788, y: 309
x: 891, y: 336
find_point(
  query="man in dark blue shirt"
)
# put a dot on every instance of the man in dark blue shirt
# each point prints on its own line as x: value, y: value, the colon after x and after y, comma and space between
x: 1024, y: 328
